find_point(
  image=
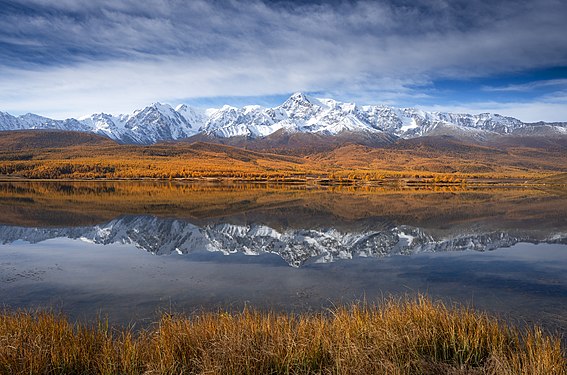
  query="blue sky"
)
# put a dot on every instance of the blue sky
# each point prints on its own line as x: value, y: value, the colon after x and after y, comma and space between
x: 75, y: 57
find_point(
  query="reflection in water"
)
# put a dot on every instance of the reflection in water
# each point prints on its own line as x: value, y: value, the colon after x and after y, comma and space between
x: 300, y: 224
x: 296, y: 246
x: 50, y: 255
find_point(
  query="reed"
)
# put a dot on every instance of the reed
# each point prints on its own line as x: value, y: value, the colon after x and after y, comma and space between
x: 397, y: 336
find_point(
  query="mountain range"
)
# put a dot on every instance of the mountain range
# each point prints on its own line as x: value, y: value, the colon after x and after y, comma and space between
x: 299, y: 114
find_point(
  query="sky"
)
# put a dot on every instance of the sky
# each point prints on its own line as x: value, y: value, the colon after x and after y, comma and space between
x: 68, y: 58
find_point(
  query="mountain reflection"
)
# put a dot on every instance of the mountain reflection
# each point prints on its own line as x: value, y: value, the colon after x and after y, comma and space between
x: 299, y: 223
x: 297, y: 246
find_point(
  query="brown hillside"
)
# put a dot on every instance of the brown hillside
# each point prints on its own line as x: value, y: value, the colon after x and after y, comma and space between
x: 291, y: 143
x: 33, y: 139
x: 52, y: 154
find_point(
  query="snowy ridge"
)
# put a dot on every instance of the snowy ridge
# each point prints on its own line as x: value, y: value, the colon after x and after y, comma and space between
x: 299, y: 113
x: 156, y: 122
x: 295, y: 246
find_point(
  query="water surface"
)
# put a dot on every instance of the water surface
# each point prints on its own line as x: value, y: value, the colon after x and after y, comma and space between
x: 130, y: 250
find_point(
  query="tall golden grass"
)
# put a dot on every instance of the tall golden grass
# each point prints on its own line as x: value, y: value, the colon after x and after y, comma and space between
x: 395, y: 337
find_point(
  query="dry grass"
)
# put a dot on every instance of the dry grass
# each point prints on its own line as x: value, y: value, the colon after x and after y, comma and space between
x: 396, y: 337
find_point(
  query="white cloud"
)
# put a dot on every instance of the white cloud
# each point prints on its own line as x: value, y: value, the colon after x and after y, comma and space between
x: 71, y: 58
x: 525, y: 87
x: 121, y: 86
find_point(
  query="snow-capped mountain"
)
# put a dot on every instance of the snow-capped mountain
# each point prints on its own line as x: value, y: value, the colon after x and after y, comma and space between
x: 31, y: 121
x: 157, y: 122
x: 299, y: 113
x: 295, y: 246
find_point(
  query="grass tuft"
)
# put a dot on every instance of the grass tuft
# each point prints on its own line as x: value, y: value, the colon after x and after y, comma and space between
x: 408, y: 336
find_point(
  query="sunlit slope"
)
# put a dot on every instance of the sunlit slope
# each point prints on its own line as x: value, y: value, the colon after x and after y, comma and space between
x: 50, y: 154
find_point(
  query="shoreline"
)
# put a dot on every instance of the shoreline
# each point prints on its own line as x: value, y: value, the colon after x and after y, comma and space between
x: 407, y: 183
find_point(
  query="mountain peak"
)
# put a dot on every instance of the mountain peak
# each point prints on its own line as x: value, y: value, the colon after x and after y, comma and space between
x: 298, y: 100
x: 228, y: 107
x: 303, y: 99
x: 299, y: 96
x: 161, y: 107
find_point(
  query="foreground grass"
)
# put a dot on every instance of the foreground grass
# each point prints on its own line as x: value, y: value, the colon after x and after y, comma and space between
x: 397, y: 337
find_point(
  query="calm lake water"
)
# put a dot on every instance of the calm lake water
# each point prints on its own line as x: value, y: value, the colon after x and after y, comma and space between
x: 128, y: 251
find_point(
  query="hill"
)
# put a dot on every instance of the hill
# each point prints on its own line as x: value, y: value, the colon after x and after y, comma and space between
x: 52, y: 154
x: 20, y: 140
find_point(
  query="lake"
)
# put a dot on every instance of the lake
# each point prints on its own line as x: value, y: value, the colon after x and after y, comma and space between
x: 128, y: 251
